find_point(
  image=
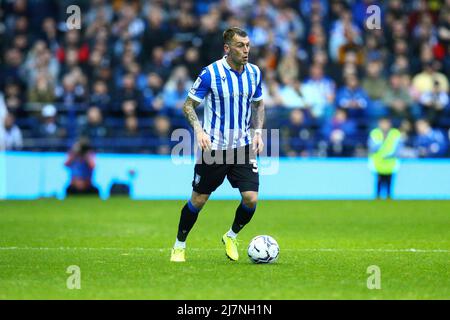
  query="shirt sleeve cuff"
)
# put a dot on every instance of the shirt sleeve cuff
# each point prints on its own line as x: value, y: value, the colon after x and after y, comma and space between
x: 193, y: 97
x: 257, y: 99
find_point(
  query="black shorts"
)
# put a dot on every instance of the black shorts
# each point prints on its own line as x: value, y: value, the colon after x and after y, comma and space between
x: 238, y: 165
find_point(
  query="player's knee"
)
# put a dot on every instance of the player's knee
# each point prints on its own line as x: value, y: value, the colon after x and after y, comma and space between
x: 250, y: 199
x: 199, y: 200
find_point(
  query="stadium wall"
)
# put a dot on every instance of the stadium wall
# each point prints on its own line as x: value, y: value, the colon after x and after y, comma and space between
x: 30, y: 175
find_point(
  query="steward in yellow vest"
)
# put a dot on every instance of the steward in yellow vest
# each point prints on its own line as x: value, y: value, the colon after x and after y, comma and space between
x: 384, y: 144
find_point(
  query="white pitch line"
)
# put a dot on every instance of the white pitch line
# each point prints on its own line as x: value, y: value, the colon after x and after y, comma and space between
x: 413, y: 250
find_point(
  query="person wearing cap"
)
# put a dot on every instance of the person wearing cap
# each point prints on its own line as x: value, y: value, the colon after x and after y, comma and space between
x: 49, y: 127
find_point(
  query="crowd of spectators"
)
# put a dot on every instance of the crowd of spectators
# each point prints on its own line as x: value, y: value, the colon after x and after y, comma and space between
x: 122, y: 78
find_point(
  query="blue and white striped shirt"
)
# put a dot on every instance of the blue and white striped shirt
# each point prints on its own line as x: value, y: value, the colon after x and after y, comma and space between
x: 228, y: 96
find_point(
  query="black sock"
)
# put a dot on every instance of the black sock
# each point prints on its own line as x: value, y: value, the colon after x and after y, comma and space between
x: 388, y: 185
x: 379, y: 185
x: 243, y: 216
x: 189, y: 215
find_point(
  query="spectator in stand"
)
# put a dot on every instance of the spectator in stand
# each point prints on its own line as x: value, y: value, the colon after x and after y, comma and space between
x: 15, y: 98
x: 158, y: 63
x: 425, y: 81
x: 319, y: 92
x: 70, y: 93
x: 100, y: 10
x: 11, y: 134
x: 100, y: 96
x: 297, y: 135
x: 400, y: 64
x: 161, y: 135
x: 317, y: 40
x: 73, y: 42
x: 156, y: 32
x: 433, y: 103
x: 129, y: 108
x: 149, y: 40
x: 131, y: 137
x: 351, y: 46
x: 291, y: 94
x: 81, y: 164
x: 353, y: 98
x: 289, y: 22
x: 131, y: 129
x: 429, y: 142
x: 192, y: 59
x: 43, y: 91
x: 128, y: 95
x: 176, y: 90
x: 40, y: 61
x: 398, y: 100
x: 446, y: 61
x: 151, y: 94
x: 272, y: 94
x: 49, y: 127
x: 343, y: 30
x: 407, y: 136
x: 210, y: 34
x: 444, y: 26
x: 94, y: 127
x: 308, y: 7
x: 289, y: 65
x: 339, y: 134
x: 376, y: 85
x: 11, y: 67
x: 174, y: 97
x: 49, y: 33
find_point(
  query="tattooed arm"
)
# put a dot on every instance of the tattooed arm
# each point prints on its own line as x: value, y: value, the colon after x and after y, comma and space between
x: 258, y: 115
x: 190, y: 114
x: 203, y: 139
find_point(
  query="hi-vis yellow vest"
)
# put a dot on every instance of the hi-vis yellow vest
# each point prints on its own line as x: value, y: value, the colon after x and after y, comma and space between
x: 380, y: 160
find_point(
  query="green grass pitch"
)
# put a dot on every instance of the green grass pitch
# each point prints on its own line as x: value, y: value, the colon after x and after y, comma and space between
x: 122, y: 248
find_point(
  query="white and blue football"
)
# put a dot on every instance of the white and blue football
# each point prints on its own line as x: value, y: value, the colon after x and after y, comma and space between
x: 263, y: 249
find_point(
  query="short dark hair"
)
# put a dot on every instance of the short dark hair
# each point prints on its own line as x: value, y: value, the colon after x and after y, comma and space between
x: 230, y: 32
x: 384, y: 118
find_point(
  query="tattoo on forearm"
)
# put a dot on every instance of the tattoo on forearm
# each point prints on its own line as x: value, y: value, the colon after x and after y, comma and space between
x: 190, y: 114
x: 258, y: 114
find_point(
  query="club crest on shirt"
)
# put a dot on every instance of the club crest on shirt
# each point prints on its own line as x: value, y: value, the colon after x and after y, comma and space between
x: 197, y: 179
x: 253, y: 79
x: 196, y: 85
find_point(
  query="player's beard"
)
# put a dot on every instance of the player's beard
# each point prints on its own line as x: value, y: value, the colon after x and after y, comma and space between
x: 239, y: 60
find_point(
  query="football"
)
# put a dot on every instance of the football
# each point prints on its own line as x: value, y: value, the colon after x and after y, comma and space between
x: 263, y: 249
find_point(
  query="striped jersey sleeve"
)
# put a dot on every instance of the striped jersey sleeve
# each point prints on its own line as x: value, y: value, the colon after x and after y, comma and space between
x: 257, y: 96
x: 201, y: 86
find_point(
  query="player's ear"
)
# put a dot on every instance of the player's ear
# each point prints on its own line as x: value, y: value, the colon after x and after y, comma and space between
x: 226, y: 48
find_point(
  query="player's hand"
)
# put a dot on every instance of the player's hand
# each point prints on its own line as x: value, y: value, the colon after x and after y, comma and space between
x: 258, y: 144
x: 203, y: 141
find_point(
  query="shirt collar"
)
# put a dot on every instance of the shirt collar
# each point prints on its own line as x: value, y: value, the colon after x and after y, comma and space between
x: 225, y: 62
x: 226, y: 65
